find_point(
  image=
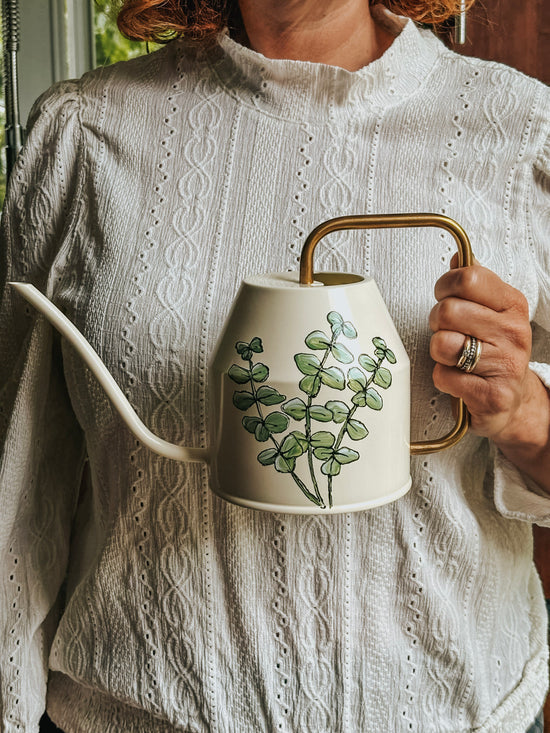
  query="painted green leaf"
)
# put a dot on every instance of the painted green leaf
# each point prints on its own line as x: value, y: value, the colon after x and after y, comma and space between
x: 356, y: 430
x: 267, y: 457
x: 331, y: 467
x: 261, y: 433
x: 373, y: 399
x: 320, y: 413
x: 276, y: 422
x: 379, y: 342
x: 284, y: 465
x: 341, y: 353
x: 243, y: 400
x: 307, y: 363
x: 256, y: 345
x: 244, y: 350
x: 251, y: 423
x: 296, y: 408
x: 291, y: 447
x: 317, y: 340
x: 336, y: 322
x: 269, y: 396
x: 390, y: 356
x: 346, y: 455
x: 310, y: 385
x: 366, y: 362
x: 323, y: 454
x: 238, y: 374
x: 382, y: 377
x: 247, y: 350
x: 348, y: 329
x: 359, y: 399
x: 322, y: 439
x: 260, y: 372
x: 301, y: 438
x: 380, y: 353
x: 357, y: 380
x: 338, y: 409
x: 333, y: 377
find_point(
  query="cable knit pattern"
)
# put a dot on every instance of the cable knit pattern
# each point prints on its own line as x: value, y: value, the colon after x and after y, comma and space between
x: 131, y: 598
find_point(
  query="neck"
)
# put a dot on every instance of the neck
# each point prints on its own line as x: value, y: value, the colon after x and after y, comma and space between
x: 336, y: 32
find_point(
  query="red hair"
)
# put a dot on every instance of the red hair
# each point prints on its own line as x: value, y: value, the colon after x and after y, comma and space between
x: 201, y: 20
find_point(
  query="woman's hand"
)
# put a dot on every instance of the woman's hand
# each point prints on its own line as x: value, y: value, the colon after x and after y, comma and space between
x: 474, y: 301
x: 506, y: 400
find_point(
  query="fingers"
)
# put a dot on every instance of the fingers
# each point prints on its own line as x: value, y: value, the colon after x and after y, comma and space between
x: 490, y: 401
x: 480, y: 285
x: 492, y: 327
x: 446, y: 349
x: 475, y: 302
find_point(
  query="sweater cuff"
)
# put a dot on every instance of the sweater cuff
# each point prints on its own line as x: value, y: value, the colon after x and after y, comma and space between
x: 516, y: 495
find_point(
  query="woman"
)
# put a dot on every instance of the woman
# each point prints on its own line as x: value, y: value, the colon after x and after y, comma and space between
x: 145, y: 193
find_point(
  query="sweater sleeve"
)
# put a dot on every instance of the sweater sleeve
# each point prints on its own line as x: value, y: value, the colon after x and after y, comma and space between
x: 516, y: 496
x: 41, y: 444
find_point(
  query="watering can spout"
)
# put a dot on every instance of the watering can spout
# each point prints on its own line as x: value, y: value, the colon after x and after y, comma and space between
x: 98, y: 368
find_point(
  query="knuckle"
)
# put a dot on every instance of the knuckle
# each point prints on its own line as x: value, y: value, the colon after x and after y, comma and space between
x: 436, y: 346
x: 518, y: 333
x: 519, y: 303
x: 469, y: 278
x: 468, y: 281
x: 447, y: 311
x: 499, y: 397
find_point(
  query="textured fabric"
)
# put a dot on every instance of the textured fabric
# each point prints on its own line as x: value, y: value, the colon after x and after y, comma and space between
x: 538, y: 725
x: 145, y: 193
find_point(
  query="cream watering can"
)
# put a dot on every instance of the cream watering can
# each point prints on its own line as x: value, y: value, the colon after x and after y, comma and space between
x: 309, y: 387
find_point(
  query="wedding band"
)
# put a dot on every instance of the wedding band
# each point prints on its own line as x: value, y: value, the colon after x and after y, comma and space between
x: 471, y: 353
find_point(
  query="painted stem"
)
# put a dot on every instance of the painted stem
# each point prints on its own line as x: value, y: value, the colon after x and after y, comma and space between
x: 310, y: 451
x: 298, y: 481
x: 353, y: 409
x: 308, y: 427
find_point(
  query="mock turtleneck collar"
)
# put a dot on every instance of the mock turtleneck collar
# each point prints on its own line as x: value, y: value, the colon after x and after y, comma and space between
x: 303, y: 90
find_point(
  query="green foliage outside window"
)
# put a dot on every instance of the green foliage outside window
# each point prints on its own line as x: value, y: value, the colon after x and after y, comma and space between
x: 110, y: 45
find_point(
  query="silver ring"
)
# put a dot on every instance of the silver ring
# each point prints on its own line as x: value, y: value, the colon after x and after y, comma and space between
x: 470, y: 356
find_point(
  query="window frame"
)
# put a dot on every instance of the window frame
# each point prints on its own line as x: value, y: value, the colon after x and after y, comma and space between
x: 56, y: 42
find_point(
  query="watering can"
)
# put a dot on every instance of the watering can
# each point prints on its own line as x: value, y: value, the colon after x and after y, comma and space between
x: 309, y: 387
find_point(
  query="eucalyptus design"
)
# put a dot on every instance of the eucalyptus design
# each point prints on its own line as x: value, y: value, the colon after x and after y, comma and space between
x: 320, y: 450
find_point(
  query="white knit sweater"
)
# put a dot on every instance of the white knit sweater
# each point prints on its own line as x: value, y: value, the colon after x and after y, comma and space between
x: 145, y: 193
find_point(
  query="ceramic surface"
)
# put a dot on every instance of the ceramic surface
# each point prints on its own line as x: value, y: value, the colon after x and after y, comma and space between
x: 310, y: 397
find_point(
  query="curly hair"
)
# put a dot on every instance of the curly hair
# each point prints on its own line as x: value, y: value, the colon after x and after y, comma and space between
x: 201, y: 20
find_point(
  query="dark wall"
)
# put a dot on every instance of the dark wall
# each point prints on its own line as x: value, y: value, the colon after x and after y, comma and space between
x: 516, y: 32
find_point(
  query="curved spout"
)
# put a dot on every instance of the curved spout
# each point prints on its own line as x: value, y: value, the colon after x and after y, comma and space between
x: 100, y: 371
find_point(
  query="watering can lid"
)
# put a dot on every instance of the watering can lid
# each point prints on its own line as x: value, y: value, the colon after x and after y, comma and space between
x: 291, y: 280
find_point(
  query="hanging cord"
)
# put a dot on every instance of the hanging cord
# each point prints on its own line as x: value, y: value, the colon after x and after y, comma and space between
x: 10, y: 37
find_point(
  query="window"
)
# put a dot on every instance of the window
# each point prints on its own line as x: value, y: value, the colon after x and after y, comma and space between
x: 61, y: 39
x: 110, y: 46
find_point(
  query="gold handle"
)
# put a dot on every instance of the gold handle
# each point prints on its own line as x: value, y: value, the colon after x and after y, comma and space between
x: 394, y: 221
